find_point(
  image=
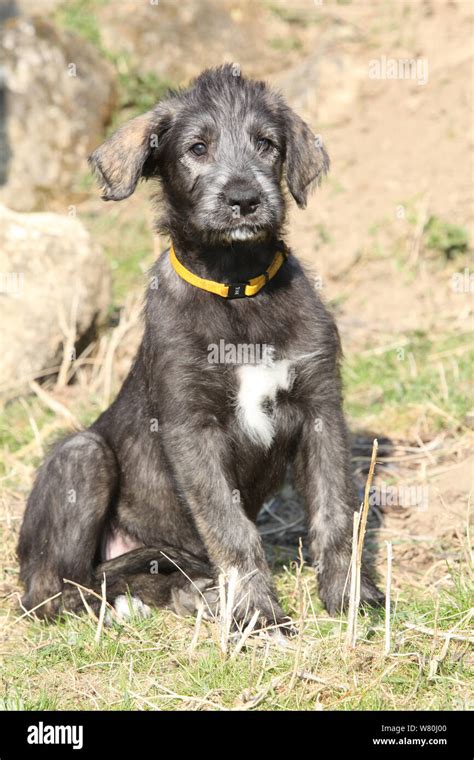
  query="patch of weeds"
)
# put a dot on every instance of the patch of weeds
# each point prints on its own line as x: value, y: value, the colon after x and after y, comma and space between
x: 139, y: 90
x: 445, y: 238
x: 291, y: 15
x: 285, y: 44
x: 80, y: 17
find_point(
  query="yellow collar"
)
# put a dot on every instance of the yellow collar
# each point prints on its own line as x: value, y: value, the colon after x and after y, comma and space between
x: 230, y: 290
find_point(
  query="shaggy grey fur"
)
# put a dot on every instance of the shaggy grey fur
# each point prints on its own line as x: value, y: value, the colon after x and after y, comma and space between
x: 178, y: 467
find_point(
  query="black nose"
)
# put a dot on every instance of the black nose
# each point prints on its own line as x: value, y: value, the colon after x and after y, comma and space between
x: 243, y: 199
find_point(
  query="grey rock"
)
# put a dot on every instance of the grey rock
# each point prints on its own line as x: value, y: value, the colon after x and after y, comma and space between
x: 56, y: 96
x: 50, y: 274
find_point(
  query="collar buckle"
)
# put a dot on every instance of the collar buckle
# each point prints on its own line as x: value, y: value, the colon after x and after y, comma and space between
x: 236, y: 289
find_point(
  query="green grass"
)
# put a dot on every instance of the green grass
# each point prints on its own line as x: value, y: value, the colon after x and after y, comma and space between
x: 409, y: 376
x: 138, y: 90
x: 128, y: 245
x: 285, y: 44
x: 301, y: 17
x: 80, y: 17
x: 446, y: 238
x: 148, y: 664
x: 16, y: 431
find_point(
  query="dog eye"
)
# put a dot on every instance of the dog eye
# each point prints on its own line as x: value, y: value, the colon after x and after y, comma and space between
x: 199, y: 149
x: 263, y: 144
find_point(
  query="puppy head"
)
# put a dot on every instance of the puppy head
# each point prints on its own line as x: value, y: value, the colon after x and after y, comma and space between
x: 220, y: 150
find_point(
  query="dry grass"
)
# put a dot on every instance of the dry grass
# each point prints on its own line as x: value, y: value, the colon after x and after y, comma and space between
x: 417, y: 658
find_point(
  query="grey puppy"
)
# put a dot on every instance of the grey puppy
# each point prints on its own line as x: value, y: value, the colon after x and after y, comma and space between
x: 161, y: 493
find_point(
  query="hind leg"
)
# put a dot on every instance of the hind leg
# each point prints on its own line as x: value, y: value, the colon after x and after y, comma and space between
x: 149, y: 577
x: 63, y: 521
x: 136, y: 594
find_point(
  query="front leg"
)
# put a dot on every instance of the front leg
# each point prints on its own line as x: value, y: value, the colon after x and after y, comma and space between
x: 202, y: 467
x: 324, y: 478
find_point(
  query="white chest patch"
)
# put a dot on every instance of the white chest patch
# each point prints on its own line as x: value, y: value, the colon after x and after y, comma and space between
x: 259, y: 384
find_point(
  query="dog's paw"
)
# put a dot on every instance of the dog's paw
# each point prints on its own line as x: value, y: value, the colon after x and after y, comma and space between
x: 44, y: 608
x: 199, y: 593
x: 258, y: 596
x: 277, y: 630
x: 127, y: 607
x: 370, y: 594
x: 334, y: 592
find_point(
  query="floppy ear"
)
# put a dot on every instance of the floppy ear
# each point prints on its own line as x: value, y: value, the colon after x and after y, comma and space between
x: 306, y: 158
x: 121, y: 160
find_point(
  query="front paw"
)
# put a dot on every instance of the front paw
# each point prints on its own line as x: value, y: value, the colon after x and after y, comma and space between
x: 241, y: 600
x: 334, y: 590
x: 256, y: 599
x: 370, y: 594
x: 46, y: 607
